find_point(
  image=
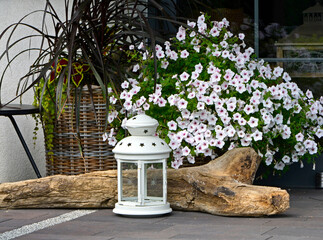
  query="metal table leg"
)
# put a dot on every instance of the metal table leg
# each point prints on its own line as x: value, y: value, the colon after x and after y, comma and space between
x: 25, y: 146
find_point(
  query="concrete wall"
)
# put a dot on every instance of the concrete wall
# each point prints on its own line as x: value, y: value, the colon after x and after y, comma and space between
x: 14, y: 164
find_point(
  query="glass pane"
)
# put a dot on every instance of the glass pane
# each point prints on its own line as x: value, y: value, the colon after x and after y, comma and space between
x: 129, y: 181
x: 154, y: 184
x: 293, y: 29
x: 290, y: 28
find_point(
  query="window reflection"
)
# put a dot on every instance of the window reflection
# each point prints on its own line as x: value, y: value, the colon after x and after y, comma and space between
x: 290, y: 30
x: 303, y: 40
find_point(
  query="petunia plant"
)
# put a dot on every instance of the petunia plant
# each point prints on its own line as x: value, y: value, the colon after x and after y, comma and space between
x: 213, y: 95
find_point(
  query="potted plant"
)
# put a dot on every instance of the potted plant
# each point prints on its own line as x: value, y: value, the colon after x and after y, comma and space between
x: 76, y: 62
x: 213, y: 95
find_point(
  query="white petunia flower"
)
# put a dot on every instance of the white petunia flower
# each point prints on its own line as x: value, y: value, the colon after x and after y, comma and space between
x: 241, y: 36
x: 299, y: 137
x: 172, y: 125
x: 191, y: 24
x: 113, y: 99
x: 182, y: 104
x: 173, y: 55
x: 112, y: 141
x: 294, y: 158
x: 212, y: 119
x: 184, y: 54
x: 185, y: 114
x: 319, y: 133
x: 279, y: 166
x: 269, y: 160
x: 199, y: 68
x: 286, y: 132
x: 242, y: 121
x: 313, y: 150
x: 125, y: 84
x: 278, y: 71
x: 161, y: 102
x: 286, y: 77
x: 230, y: 131
x: 253, y: 122
x: 135, y: 68
x: 221, y: 134
x: 309, y: 143
x: 248, y: 109
x: 181, y: 34
x: 278, y: 119
x: 160, y: 54
x: 286, y: 159
x: 174, y: 144
x: 184, y: 76
x: 141, y: 46
x: 104, y: 136
x: 176, y: 164
x: 201, y: 19
x: 299, y: 147
x: 164, y: 64
x: 219, y: 143
x: 146, y: 106
x: 245, y: 142
x: 309, y: 94
x: 127, y: 105
x: 257, y: 135
x: 191, y: 95
x: 200, y: 105
x: 236, y: 116
x: 186, y: 151
x: 191, y: 159
x: 214, y: 32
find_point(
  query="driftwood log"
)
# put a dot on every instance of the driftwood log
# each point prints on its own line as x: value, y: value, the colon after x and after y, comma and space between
x: 221, y: 187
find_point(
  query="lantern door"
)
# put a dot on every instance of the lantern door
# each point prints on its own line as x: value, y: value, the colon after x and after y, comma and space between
x: 154, y: 183
x: 128, y: 182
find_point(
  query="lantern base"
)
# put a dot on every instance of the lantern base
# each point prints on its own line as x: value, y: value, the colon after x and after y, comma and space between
x: 142, y: 210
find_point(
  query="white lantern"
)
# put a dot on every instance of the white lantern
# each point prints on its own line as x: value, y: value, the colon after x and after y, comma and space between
x: 142, y: 175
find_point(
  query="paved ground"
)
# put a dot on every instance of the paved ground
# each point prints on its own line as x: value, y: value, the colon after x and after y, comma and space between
x: 304, y: 220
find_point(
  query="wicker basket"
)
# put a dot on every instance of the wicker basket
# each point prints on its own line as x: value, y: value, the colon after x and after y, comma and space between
x: 65, y: 157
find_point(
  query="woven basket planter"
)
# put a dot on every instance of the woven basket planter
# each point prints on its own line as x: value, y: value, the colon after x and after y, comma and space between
x: 65, y: 157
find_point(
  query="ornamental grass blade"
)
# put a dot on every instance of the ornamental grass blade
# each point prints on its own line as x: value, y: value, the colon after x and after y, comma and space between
x: 59, y: 93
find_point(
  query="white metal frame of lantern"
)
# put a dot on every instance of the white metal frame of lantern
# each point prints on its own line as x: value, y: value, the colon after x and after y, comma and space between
x: 142, y: 149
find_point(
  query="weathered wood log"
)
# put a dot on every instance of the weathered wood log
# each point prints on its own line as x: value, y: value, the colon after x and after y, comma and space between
x: 221, y: 187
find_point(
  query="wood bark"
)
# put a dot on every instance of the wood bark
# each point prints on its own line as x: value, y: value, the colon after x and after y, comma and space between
x: 221, y: 187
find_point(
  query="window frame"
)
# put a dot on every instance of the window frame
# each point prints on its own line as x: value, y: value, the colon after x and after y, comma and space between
x: 256, y: 42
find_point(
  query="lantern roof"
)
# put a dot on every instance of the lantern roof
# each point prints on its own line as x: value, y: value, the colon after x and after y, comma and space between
x: 142, y: 125
x: 143, y: 144
x: 141, y: 120
x: 141, y: 148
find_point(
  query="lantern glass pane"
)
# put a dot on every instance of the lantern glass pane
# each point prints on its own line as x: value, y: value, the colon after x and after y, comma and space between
x: 154, y: 181
x: 129, y: 181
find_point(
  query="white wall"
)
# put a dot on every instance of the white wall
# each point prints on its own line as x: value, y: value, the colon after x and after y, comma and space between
x: 14, y: 164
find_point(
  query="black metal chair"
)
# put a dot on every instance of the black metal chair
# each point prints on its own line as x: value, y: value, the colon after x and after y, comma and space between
x: 11, y: 110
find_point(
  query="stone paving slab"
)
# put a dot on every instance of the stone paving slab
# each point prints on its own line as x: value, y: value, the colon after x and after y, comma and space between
x: 304, y: 220
x: 16, y: 218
